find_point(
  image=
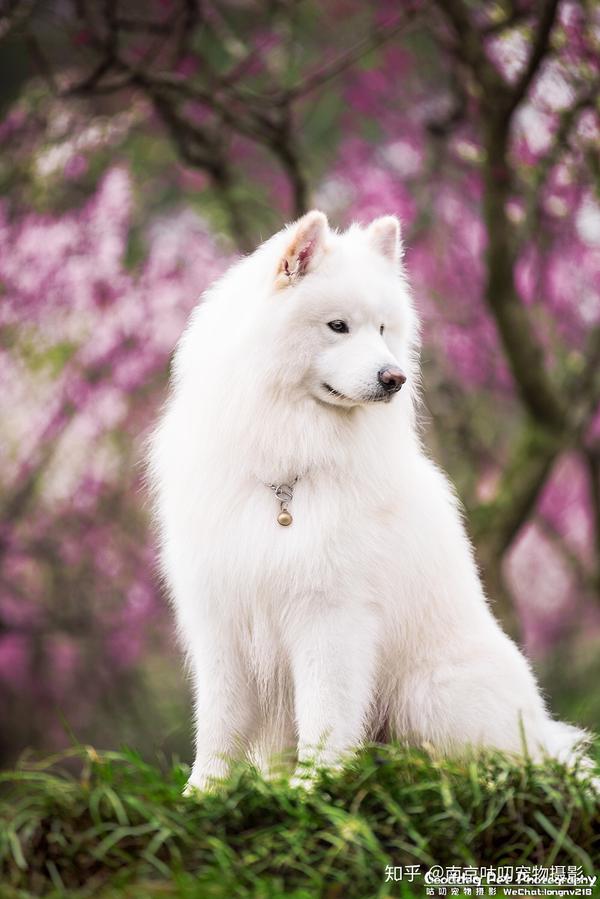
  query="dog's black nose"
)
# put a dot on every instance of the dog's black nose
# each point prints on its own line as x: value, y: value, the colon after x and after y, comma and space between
x: 391, y: 378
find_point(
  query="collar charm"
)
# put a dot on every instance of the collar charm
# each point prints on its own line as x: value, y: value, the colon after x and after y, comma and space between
x: 285, y: 494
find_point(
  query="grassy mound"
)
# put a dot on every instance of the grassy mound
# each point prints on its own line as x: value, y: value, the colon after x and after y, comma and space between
x: 120, y: 827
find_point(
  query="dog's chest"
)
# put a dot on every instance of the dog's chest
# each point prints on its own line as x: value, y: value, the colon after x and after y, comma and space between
x: 336, y: 544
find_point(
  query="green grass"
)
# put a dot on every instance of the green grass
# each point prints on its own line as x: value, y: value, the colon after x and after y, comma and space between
x: 109, y: 824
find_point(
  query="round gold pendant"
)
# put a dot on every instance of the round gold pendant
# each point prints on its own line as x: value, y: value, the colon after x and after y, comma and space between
x: 284, y: 518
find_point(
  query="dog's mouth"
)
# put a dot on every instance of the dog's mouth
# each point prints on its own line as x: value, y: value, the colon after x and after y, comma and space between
x: 375, y: 397
x: 336, y: 393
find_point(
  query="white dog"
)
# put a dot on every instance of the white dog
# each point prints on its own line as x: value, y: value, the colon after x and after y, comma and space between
x: 324, y: 586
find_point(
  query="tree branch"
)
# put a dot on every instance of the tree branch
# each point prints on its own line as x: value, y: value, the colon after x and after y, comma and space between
x: 513, y: 18
x: 266, y: 119
x: 15, y: 16
x: 585, y: 577
x: 198, y: 150
x: 380, y: 35
x: 567, y: 122
x: 497, y: 522
x: 592, y: 458
x: 523, y: 351
x: 538, y: 53
x: 468, y: 39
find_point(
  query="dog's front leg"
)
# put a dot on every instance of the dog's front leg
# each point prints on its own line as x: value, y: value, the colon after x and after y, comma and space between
x: 333, y: 656
x: 224, y: 705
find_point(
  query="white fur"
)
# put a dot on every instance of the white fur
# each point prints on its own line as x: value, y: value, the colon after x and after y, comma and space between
x: 367, y: 614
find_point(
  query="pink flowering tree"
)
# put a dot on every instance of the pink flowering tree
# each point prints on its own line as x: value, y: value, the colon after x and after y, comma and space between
x: 87, y: 346
x: 144, y: 134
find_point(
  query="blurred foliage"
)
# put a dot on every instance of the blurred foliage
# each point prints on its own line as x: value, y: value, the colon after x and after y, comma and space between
x: 141, y: 147
x: 122, y: 822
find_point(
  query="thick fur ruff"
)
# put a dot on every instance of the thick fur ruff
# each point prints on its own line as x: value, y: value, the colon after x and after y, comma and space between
x: 366, y: 615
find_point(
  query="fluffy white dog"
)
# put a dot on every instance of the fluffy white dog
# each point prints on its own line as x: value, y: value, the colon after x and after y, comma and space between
x: 324, y: 586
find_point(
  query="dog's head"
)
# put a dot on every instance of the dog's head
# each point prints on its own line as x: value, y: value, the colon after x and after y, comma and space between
x: 344, y: 318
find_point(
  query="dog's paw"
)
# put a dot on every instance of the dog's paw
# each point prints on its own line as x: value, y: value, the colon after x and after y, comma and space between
x: 191, y: 791
x: 199, y: 785
x: 303, y: 779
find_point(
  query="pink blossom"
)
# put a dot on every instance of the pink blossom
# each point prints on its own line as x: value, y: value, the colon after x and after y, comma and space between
x: 76, y: 166
x: 14, y: 659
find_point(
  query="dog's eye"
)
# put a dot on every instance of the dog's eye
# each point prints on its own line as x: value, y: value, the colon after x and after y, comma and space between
x: 381, y: 329
x: 338, y: 326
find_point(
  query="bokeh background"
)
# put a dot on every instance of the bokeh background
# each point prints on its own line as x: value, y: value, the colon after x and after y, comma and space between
x: 142, y: 147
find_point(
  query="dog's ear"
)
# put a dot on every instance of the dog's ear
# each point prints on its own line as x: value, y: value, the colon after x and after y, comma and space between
x: 305, y: 247
x: 384, y: 236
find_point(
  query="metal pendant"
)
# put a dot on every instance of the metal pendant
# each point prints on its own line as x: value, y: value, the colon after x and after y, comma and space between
x: 285, y: 494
